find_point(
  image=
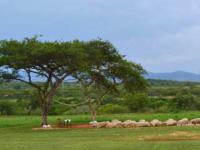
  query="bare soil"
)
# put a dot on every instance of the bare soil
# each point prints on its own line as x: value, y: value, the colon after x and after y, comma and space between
x: 75, y: 126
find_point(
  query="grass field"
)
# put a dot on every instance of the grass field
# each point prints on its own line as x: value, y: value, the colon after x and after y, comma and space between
x: 16, y: 134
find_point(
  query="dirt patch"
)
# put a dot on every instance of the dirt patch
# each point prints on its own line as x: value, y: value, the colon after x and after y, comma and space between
x: 181, y: 133
x: 80, y: 126
x: 172, y: 139
x: 174, y: 136
x: 77, y: 126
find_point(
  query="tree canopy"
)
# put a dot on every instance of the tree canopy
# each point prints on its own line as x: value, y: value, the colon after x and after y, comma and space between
x: 105, y: 69
x: 94, y: 62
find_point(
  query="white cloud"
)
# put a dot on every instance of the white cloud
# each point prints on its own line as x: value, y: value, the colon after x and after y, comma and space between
x: 161, y: 34
x: 177, y: 51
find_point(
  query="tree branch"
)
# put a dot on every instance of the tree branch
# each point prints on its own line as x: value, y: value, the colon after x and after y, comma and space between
x: 30, y: 83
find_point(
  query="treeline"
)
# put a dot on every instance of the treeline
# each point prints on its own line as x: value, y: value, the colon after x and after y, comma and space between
x: 18, y: 99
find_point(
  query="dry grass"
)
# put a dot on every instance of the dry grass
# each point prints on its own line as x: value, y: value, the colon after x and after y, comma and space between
x: 173, y: 136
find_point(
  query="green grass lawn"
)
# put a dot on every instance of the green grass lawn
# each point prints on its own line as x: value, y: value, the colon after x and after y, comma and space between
x: 16, y: 134
x: 32, y: 121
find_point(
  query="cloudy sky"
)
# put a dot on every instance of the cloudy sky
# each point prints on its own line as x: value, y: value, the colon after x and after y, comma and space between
x: 162, y: 35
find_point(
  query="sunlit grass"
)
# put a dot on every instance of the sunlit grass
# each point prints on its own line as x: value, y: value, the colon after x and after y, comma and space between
x: 30, y: 121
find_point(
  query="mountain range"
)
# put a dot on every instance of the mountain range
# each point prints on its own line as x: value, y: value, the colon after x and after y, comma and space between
x: 175, y: 76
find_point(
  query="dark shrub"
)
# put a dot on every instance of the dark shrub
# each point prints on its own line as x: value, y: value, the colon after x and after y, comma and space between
x: 113, y: 109
x: 136, y: 102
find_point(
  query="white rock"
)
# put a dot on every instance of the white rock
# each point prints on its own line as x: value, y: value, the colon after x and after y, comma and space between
x: 183, y: 122
x: 156, y: 123
x: 170, y: 122
x: 142, y: 120
x: 129, y: 124
x: 100, y: 124
x: 143, y: 123
x: 93, y: 122
x: 46, y: 126
x: 114, y: 124
x: 195, y: 121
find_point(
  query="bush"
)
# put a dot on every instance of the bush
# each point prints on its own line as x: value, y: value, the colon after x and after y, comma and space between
x: 185, y: 102
x: 78, y: 110
x: 162, y: 109
x: 136, y: 102
x: 6, y: 107
x: 159, y: 105
x: 112, y: 109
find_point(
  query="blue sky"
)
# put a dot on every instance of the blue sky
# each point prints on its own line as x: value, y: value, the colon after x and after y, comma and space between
x: 162, y: 35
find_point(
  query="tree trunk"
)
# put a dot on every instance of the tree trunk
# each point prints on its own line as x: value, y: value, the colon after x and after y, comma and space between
x: 44, y: 115
x: 47, y: 102
x: 92, y: 110
x: 29, y: 111
x: 93, y: 115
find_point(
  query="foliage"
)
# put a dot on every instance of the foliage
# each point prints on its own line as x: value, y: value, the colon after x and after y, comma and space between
x: 102, y: 78
x: 104, y: 70
x: 51, y: 61
x: 160, y: 105
x: 6, y: 108
x: 95, y: 64
x: 71, y: 95
x: 136, y: 102
x: 113, y: 109
x: 185, y: 102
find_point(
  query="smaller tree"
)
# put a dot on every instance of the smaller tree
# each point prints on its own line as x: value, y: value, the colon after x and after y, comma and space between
x: 104, y: 72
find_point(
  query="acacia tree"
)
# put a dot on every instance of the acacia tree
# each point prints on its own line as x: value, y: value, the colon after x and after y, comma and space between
x: 30, y: 58
x: 105, y: 70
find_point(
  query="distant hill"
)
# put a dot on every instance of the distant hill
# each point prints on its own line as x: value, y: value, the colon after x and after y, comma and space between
x: 175, y: 76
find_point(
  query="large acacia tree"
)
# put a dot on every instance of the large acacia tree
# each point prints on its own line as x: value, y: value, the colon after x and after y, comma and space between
x: 51, y: 62
x: 95, y: 64
x: 105, y: 71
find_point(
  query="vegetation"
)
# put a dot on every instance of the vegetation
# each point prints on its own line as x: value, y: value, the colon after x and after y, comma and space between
x: 107, y: 139
x: 33, y: 121
x: 21, y: 99
x: 95, y: 64
x: 16, y: 134
x: 101, y: 81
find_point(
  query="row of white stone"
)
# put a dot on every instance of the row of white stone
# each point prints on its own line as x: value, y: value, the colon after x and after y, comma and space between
x: 143, y: 123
